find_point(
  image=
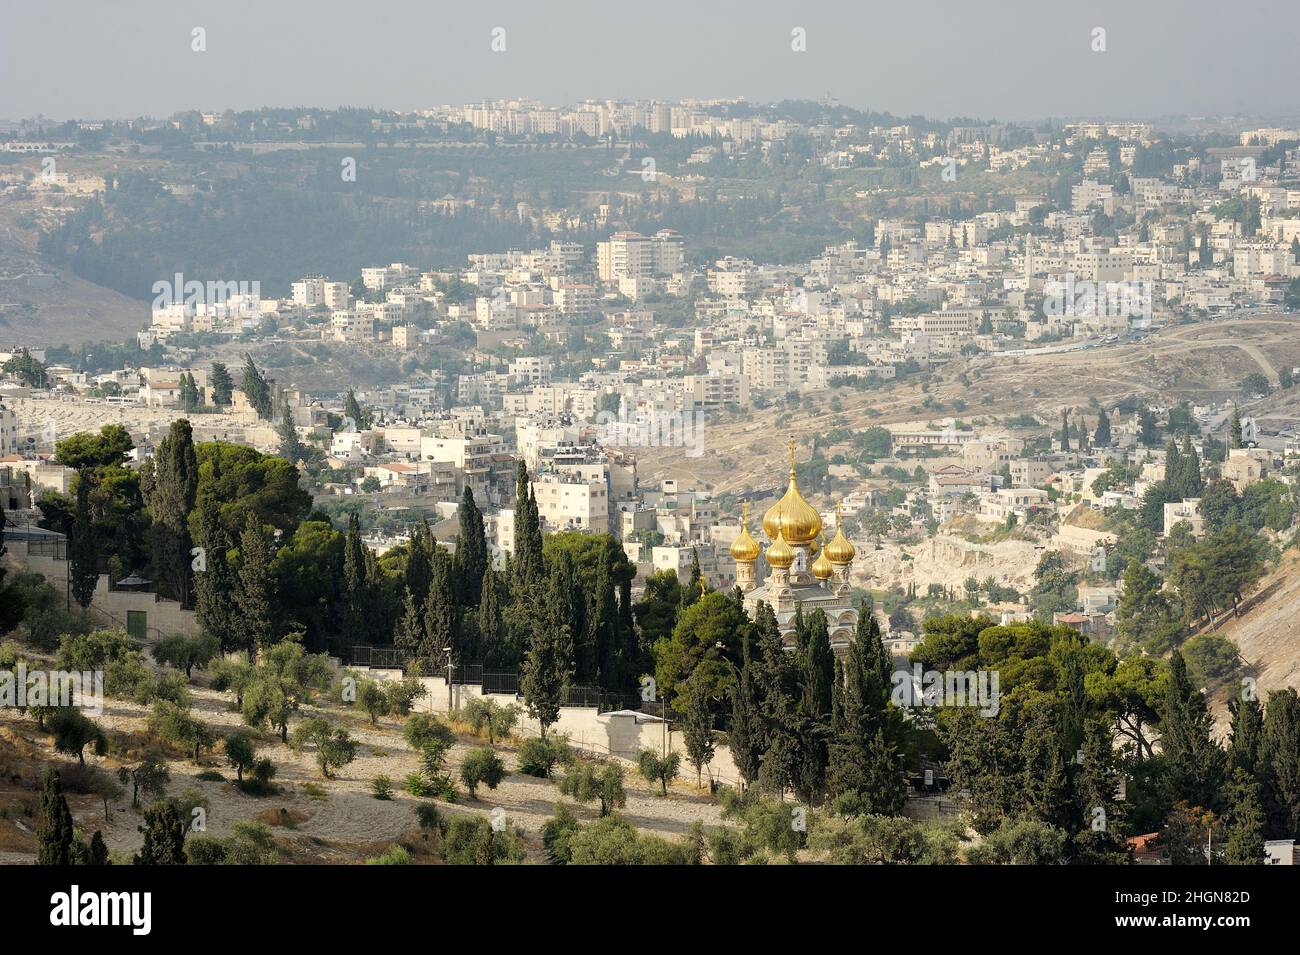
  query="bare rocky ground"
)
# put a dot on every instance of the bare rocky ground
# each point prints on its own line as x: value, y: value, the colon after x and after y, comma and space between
x: 314, y: 819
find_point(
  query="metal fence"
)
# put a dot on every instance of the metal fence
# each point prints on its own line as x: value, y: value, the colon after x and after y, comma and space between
x: 507, y: 681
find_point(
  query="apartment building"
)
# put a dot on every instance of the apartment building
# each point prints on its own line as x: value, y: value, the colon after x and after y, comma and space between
x: 633, y: 255
x: 320, y: 292
x: 566, y: 504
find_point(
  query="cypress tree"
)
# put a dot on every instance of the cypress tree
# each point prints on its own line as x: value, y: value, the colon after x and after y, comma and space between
x: 1279, y: 763
x: 409, y: 636
x: 1246, y: 822
x: 214, y: 587
x: 256, y: 389
x: 223, y: 386
x: 863, y: 758
x: 548, y: 661
x: 442, y: 614
x: 170, y: 500
x: 1247, y: 727
x: 54, y: 832
x: 1101, y: 437
x: 1193, y: 484
x: 82, y: 554
x: 1174, y: 467
x: 419, y: 562
x: 164, y: 836
x: 1194, y: 762
x: 291, y: 448
x: 358, y: 603
x: 471, y: 549
x: 253, y: 622
x: 780, y: 705
x: 1065, y: 430
x: 745, y: 730
x: 491, y: 628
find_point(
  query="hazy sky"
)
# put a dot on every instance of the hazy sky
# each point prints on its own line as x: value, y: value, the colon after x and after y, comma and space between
x: 1005, y: 59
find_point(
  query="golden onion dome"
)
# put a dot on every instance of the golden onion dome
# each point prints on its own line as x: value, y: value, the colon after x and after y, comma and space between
x: 744, y: 548
x: 779, y: 554
x: 840, y: 550
x: 799, y: 520
x: 821, y: 568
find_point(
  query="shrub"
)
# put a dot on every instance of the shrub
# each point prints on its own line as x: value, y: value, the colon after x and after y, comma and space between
x: 471, y: 840
x: 658, y: 769
x: 334, y: 747
x: 427, y: 816
x: 615, y: 841
x: 421, y: 729
x: 393, y: 855
x: 490, y: 717
x: 382, y: 788
x: 586, y: 781
x: 175, y: 724
x: 482, y: 766
x: 557, y: 835
x: 185, y: 651
x: 92, y: 651
x: 538, y: 757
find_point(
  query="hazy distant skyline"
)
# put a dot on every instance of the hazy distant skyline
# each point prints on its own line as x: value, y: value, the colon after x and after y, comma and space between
x: 1008, y: 60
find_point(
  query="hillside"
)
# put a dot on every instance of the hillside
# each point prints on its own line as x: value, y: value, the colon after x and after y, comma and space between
x: 1267, y: 633
x: 42, y: 305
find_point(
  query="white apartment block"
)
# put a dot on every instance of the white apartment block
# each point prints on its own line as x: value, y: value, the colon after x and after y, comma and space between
x: 318, y: 291
x: 633, y: 255
x: 564, y: 504
x: 386, y: 276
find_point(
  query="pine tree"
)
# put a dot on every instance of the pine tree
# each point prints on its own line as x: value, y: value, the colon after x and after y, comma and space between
x: 253, y: 622
x: 223, y: 386
x: 214, y: 587
x: 1101, y: 437
x: 54, y: 832
x: 471, y: 550
x: 170, y: 501
x: 1194, y: 762
x: 83, y: 557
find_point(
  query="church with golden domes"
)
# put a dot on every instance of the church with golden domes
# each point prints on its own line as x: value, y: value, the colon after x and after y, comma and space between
x: 803, y: 569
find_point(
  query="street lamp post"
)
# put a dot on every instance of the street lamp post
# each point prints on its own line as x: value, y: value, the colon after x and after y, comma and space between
x: 447, y: 650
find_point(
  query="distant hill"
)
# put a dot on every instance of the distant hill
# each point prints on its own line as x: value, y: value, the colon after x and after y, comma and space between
x: 43, y: 305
